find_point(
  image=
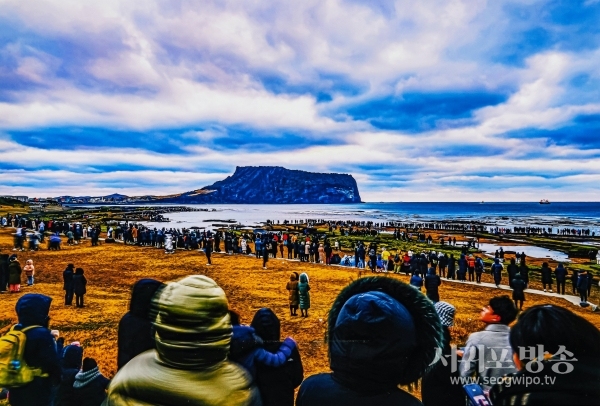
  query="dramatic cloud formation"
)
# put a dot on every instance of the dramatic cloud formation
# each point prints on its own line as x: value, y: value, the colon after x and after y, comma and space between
x: 438, y: 100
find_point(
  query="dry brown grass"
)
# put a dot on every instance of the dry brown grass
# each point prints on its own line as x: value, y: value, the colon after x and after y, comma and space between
x: 111, y: 269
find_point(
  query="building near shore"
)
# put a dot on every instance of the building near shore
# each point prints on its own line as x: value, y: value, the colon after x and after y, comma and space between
x: 24, y: 199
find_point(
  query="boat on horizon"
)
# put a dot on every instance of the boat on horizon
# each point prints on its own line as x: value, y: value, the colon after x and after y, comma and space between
x: 544, y: 201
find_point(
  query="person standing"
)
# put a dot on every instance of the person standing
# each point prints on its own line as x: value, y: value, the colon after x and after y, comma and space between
x: 560, y: 273
x: 479, y: 267
x: 90, y: 385
x: 79, y: 287
x: 518, y: 285
x: 189, y: 365
x: 432, y: 283
x: 546, y: 276
x: 304, y: 295
x: 40, y: 352
x: 451, y: 267
x: 136, y: 333
x: 437, y: 388
x: 266, y: 249
x: 294, y: 299
x: 276, y: 383
x: 29, y: 271
x: 3, y: 272
x: 208, y: 249
x: 488, y: 353
x: 497, y: 271
x: 512, y: 271
x: 582, y: 286
x: 68, y: 284
x: 14, y: 274
x: 321, y: 254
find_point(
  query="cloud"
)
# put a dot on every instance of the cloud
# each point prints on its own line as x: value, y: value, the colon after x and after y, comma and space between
x: 433, y: 100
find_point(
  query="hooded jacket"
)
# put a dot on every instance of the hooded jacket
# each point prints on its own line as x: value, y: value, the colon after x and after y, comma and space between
x: 71, y: 364
x: 276, y: 384
x: 68, y: 278
x: 14, y: 272
x: 303, y: 291
x: 136, y: 334
x: 40, y: 351
x: 189, y: 365
x: 381, y: 333
x: 546, y: 273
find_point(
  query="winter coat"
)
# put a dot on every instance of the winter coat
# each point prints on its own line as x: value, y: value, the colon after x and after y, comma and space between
x: 14, y: 273
x: 276, y: 384
x: 381, y: 333
x: 68, y: 279
x: 560, y: 273
x: 303, y: 292
x: 29, y: 268
x: 247, y: 350
x: 136, y: 333
x: 89, y: 388
x: 518, y: 285
x: 70, y: 364
x: 578, y: 387
x: 583, y: 282
x: 416, y: 281
x: 79, y: 284
x: 436, y: 387
x: 546, y: 274
x: 40, y: 352
x: 294, y: 296
x: 493, y: 341
x: 432, y: 282
x: 189, y: 364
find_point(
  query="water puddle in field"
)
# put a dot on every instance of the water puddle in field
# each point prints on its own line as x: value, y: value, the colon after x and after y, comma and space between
x: 529, y: 250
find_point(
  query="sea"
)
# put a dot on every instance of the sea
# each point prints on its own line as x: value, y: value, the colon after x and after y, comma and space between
x: 577, y: 215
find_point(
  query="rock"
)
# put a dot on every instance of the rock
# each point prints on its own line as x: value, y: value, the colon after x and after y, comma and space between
x: 275, y: 185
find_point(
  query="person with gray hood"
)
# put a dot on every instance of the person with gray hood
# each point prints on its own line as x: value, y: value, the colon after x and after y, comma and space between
x: 189, y: 364
x: 381, y: 333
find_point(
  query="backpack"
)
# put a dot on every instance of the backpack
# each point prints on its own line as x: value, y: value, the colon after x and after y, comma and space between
x: 14, y: 371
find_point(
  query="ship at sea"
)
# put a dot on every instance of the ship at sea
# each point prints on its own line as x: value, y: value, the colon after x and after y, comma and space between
x: 544, y: 201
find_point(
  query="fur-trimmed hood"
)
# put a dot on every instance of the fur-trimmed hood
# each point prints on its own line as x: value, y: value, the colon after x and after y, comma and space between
x: 386, y: 335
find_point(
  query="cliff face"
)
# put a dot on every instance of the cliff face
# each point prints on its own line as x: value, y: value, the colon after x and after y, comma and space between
x: 274, y: 184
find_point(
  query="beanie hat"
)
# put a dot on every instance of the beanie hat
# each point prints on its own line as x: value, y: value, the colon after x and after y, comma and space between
x: 88, y: 364
x: 446, y: 312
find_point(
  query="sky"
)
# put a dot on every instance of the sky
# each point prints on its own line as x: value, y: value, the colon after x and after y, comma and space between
x: 432, y: 100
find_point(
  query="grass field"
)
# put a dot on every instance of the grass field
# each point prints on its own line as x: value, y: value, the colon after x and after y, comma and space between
x: 111, y: 269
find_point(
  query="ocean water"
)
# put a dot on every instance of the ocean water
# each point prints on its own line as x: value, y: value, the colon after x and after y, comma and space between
x: 556, y: 215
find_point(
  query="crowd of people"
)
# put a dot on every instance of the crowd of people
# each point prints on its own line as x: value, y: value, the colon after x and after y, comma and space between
x: 183, y: 343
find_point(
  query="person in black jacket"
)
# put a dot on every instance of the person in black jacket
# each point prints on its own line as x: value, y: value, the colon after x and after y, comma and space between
x: 89, y: 388
x: 276, y: 384
x: 72, y: 357
x: 436, y: 386
x: 582, y: 285
x: 79, y: 286
x: 432, y: 283
x: 68, y: 284
x: 451, y: 267
x: 560, y: 273
x: 40, y: 352
x: 136, y: 334
x: 546, y: 276
x: 208, y: 249
x: 518, y: 285
x: 512, y: 271
x: 4, y: 272
x: 381, y: 333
